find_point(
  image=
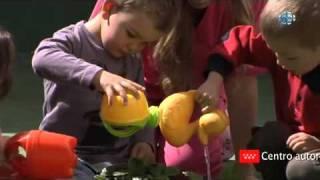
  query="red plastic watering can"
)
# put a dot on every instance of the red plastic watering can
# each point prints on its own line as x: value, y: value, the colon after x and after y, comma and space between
x: 40, y: 154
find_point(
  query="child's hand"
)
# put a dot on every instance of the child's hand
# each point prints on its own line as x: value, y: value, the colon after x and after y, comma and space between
x: 301, y: 142
x: 208, y: 93
x: 144, y: 152
x: 112, y: 84
x: 199, y: 4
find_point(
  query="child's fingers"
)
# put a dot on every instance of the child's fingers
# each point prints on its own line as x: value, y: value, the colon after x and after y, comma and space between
x: 137, y: 86
x: 208, y: 101
x: 206, y: 109
x: 137, y: 152
x: 293, y: 142
x: 292, y: 139
x: 143, y: 151
x: 198, y: 96
x: 131, y: 88
x: 109, y: 93
x: 201, y: 98
x: 298, y: 147
x: 122, y: 93
x: 209, y: 107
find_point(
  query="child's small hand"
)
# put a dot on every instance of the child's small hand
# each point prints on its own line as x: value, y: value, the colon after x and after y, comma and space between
x: 144, y: 152
x: 199, y: 4
x: 301, y: 142
x: 208, y: 92
x: 207, y: 102
x: 112, y: 84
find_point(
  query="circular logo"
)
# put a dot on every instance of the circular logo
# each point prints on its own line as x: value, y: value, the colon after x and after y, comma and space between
x: 287, y: 18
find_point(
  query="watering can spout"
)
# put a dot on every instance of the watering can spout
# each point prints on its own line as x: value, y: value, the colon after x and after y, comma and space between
x: 211, y: 125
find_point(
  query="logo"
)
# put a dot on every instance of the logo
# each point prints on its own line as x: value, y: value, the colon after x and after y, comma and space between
x: 249, y: 156
x: 287, y: 18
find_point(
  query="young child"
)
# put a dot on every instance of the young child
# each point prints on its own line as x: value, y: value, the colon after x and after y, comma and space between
x: 82, y: 61
x: 293, y: 61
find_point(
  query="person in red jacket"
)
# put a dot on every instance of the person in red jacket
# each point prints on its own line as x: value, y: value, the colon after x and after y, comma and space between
x: 210, y: 23
x: 288, y: 46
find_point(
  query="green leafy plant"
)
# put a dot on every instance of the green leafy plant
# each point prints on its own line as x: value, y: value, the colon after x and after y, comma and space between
x: 139, y: 169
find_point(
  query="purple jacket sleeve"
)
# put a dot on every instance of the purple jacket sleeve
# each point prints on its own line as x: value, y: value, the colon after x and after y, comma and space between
x: 54, y: 60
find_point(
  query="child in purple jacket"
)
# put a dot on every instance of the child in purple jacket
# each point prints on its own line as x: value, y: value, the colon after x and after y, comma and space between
x: 82, y: 61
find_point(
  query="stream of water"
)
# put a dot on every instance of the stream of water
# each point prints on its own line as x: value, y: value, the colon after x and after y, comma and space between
x: 207, y: 159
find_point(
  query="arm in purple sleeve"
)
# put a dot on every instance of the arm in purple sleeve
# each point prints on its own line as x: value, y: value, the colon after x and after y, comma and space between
x: 54, y: 60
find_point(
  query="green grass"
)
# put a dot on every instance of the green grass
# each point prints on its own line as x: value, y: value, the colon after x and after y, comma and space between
x: 228, y: 172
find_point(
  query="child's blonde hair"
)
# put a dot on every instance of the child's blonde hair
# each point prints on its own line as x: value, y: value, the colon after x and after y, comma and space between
x: 174, y: 52
x: 242, y: 12
x: 162, y: 12
x: 303, y: 30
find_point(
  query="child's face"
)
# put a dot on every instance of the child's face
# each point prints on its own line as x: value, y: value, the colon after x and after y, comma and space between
x: 293, y: 57
x: 125, y: 33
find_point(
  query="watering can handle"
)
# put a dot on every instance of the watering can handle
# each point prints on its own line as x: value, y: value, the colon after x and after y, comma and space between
x: 129, y: 131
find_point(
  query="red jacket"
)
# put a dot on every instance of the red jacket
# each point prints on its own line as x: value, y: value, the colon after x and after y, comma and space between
x: 297, y: 98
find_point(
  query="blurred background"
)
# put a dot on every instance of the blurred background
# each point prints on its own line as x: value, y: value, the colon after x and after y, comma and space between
x: 30, y: 21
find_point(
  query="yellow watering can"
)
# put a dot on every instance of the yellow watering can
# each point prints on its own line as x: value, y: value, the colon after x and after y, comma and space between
x: 173, y: 117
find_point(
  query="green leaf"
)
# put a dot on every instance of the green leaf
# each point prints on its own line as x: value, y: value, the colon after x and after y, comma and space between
x: 99, y: 177
x: 155, y: 170
x: 112, y: 171
x: 171, y: 171
x: 136, y: 167
x: 102, y: 175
